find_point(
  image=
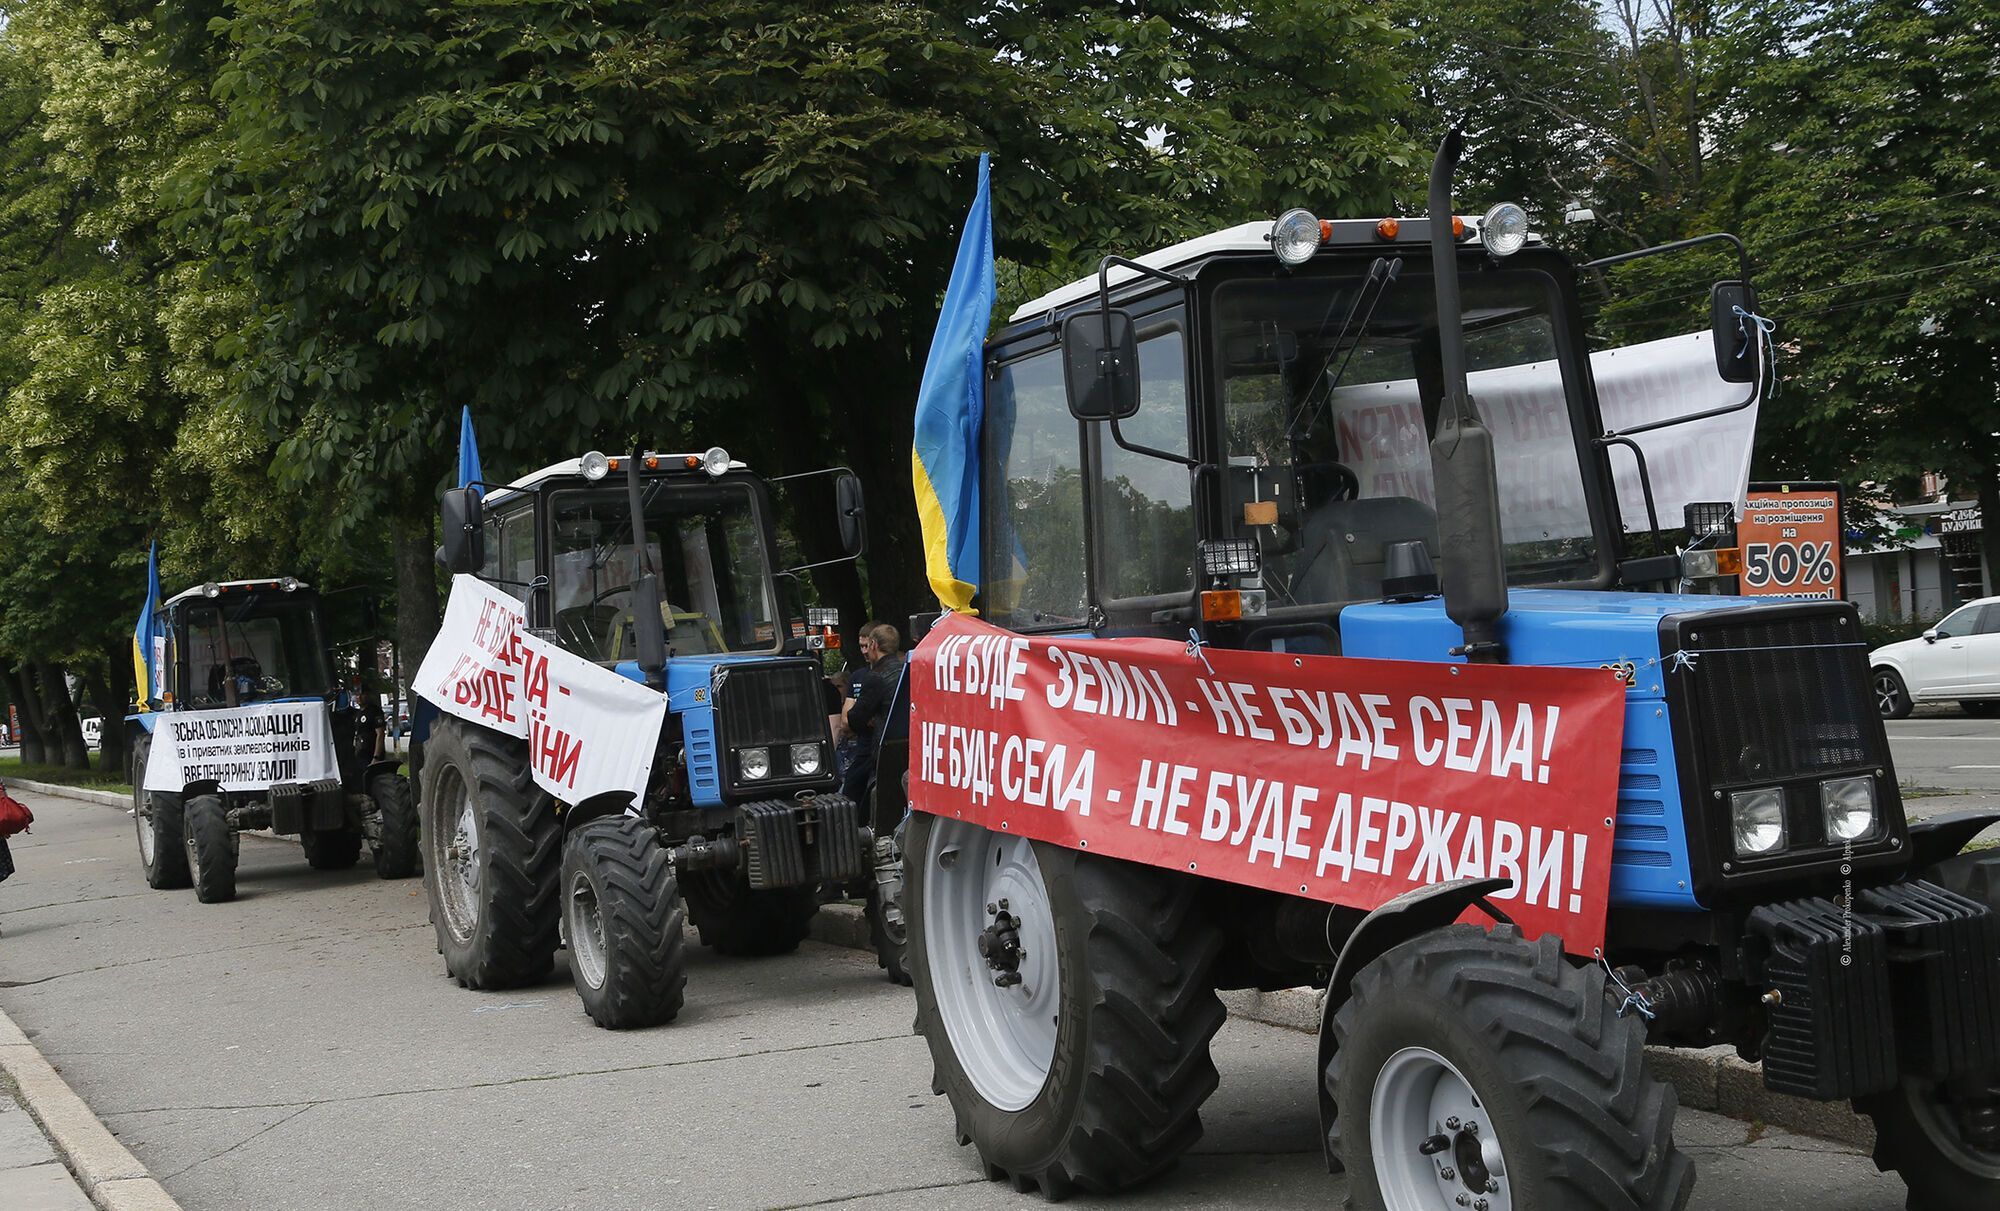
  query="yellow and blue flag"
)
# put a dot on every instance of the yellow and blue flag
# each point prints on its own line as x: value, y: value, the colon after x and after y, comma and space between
x: 951, y: 406
x: 468, y: 453
x: 149, y: 638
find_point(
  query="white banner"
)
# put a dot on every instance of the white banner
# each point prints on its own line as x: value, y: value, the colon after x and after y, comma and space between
x: 589, y: 731
x: 244, y: 748
x: 1381, y: 433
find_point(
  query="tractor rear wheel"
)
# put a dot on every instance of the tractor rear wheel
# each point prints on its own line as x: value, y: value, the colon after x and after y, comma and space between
x: 211, y: 849
x: 397, y: 852
x: 1069, y: 1026
x: 1480, y: 1067
x: 492, y: 857
x: 158, y: 816
x: 330, y: 848
x: 622, y: 914
x: 735, y: 919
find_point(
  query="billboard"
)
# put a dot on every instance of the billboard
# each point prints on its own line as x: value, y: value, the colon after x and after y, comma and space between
x: 1790, y: 536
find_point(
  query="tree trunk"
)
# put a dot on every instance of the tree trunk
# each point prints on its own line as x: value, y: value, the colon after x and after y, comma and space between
x: 28, y: 706
x: 1989, y: 523
x: 416, y: 607
x: 64, y: 729
x: 109, y: 693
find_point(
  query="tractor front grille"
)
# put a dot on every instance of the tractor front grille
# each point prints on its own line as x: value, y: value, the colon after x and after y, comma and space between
x: 1781, y: 698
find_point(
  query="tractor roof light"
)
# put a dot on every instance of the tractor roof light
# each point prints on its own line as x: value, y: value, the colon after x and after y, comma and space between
x: 594, y: 465
x: 1504, y: 229
x: 289, y: 584
x: 1297, y: 235
x: 211, y: 589
x: 715, y: 461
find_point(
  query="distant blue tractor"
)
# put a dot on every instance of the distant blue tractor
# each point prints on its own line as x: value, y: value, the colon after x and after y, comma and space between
x: 741, y: 822
x: 1268, y: 436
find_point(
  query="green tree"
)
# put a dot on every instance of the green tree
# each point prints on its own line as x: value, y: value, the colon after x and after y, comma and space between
x: 1867, y: 190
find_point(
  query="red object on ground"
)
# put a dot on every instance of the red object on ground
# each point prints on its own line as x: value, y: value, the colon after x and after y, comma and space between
x: 14, y: 814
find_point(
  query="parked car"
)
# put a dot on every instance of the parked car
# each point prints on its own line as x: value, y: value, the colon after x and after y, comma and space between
x: 93, y: 733
x: 1956, y: 660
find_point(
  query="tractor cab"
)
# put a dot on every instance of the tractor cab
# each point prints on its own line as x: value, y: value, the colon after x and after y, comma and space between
x: 243, y: 641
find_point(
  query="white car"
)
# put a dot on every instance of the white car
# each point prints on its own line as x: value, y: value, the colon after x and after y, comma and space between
x: 1956, y: 660
x: 93, y: 733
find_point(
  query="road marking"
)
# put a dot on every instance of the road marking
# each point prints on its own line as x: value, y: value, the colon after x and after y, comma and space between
x: 1973, y: 767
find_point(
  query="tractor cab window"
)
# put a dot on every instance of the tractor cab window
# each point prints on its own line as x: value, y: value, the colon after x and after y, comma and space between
x: 705, y: 540
x: 1146, y: 503
x: 262, y: 646
x: 1032, y: 558
x: 1328, y: 409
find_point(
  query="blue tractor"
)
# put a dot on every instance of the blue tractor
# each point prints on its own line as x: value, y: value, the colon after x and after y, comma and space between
x: 741, y: 821
x: 262, y: 736
x: 1269, y: 436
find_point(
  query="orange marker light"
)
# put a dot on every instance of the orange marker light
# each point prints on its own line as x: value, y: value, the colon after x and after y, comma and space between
x: 1387, y: 228
x: 693, y: 461
x: 1221, y: 605
x: 1457, y: 227
x: 652, y: 462
x: 612, y: 463
x: 1326, y: 231
x: 1729, y: 561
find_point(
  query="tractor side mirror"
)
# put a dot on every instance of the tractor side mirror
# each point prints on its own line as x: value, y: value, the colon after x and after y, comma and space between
x: 1738, y: 344
x: 464, y: 527
x: 1101, y: 376
x: 853, y: 513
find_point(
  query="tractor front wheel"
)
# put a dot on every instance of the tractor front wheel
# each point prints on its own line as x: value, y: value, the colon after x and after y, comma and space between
x: 622, y: 914
x: 1475, y: 1068
x: 211, y: 849
x: 330, y: 848
x: 736, y: 919
x: 397, y: 852
x: 1945, y: 1147
x: 159, y: 817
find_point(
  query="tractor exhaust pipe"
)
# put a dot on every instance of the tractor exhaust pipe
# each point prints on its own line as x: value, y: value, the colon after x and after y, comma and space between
x: 1468, y: 490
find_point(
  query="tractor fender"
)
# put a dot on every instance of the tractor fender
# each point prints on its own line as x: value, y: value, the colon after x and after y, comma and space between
x: 1414, y: 912
x: 1939, y: 837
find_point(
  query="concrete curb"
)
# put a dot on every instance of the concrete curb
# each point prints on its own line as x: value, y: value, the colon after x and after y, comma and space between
x: 1713, y: 1079
x: 109, y: 1173
x: 107, y: 798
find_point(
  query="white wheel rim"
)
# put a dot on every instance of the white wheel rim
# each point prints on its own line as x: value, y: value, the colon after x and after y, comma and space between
x: 458, y: 860
x: 1004, y: 1037
x: 148, y: 843
x: 585, y: 929
x: 1420, y: 1099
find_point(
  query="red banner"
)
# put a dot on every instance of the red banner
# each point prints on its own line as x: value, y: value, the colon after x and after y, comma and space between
x: 1343, y: 780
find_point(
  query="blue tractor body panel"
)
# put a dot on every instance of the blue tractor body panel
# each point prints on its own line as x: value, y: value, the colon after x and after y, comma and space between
x: 688, y: 681
x: 1582, y: 629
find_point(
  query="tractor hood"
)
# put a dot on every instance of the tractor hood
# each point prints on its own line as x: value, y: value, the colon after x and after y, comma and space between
x: 1571, y: 627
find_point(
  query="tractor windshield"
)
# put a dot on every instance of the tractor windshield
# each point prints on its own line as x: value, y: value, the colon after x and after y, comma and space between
x: 1327, y: 411
x: 263, y: 646
x: 707, y: 542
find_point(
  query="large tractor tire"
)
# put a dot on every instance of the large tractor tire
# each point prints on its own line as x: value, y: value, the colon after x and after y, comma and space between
x: 331, y: 848
x: 888, y: 927
x: 1921, y: 1135
x: 211, y: 849
x: 1479, y: 1066
x: 398, y: 853
x: 734, y: 919
x: 623, y: 917
x: 492, y: 857
x: 1070, y: 1026
x: 159, y: 818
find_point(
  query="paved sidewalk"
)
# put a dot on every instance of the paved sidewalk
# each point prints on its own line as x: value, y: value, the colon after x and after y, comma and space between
x: 31, y: 1176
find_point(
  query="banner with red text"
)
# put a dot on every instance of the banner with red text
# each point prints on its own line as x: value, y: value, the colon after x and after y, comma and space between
x: 1344, y: 780
x: 589, y: 731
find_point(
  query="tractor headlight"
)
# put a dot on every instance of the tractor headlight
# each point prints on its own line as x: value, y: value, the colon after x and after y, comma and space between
x: 594, y: 465
x: 753, y: 763
x: 1295, y: 236
x: 1504, y: 229
x: 1757, y: 819
x: 715, y: 461
x: 1848, y: 807
x: 805, y: 760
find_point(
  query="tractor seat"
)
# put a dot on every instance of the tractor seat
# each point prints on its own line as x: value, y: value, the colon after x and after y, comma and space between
x: 1344, y: 543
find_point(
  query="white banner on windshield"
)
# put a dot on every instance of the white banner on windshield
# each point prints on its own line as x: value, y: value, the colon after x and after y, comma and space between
x: 589, y: 731
x: 243, y: 748
x: 1381, y: 433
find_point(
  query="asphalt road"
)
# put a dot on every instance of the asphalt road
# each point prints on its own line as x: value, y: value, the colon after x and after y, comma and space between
x: 301, y: 1047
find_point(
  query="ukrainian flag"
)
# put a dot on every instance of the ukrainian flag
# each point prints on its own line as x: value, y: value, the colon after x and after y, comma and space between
x: 951, y: 406
x: 469, y: 474
x: 149, y: 638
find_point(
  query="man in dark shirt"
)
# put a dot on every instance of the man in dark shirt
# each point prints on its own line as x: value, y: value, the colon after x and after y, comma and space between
x: 880, y: 644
